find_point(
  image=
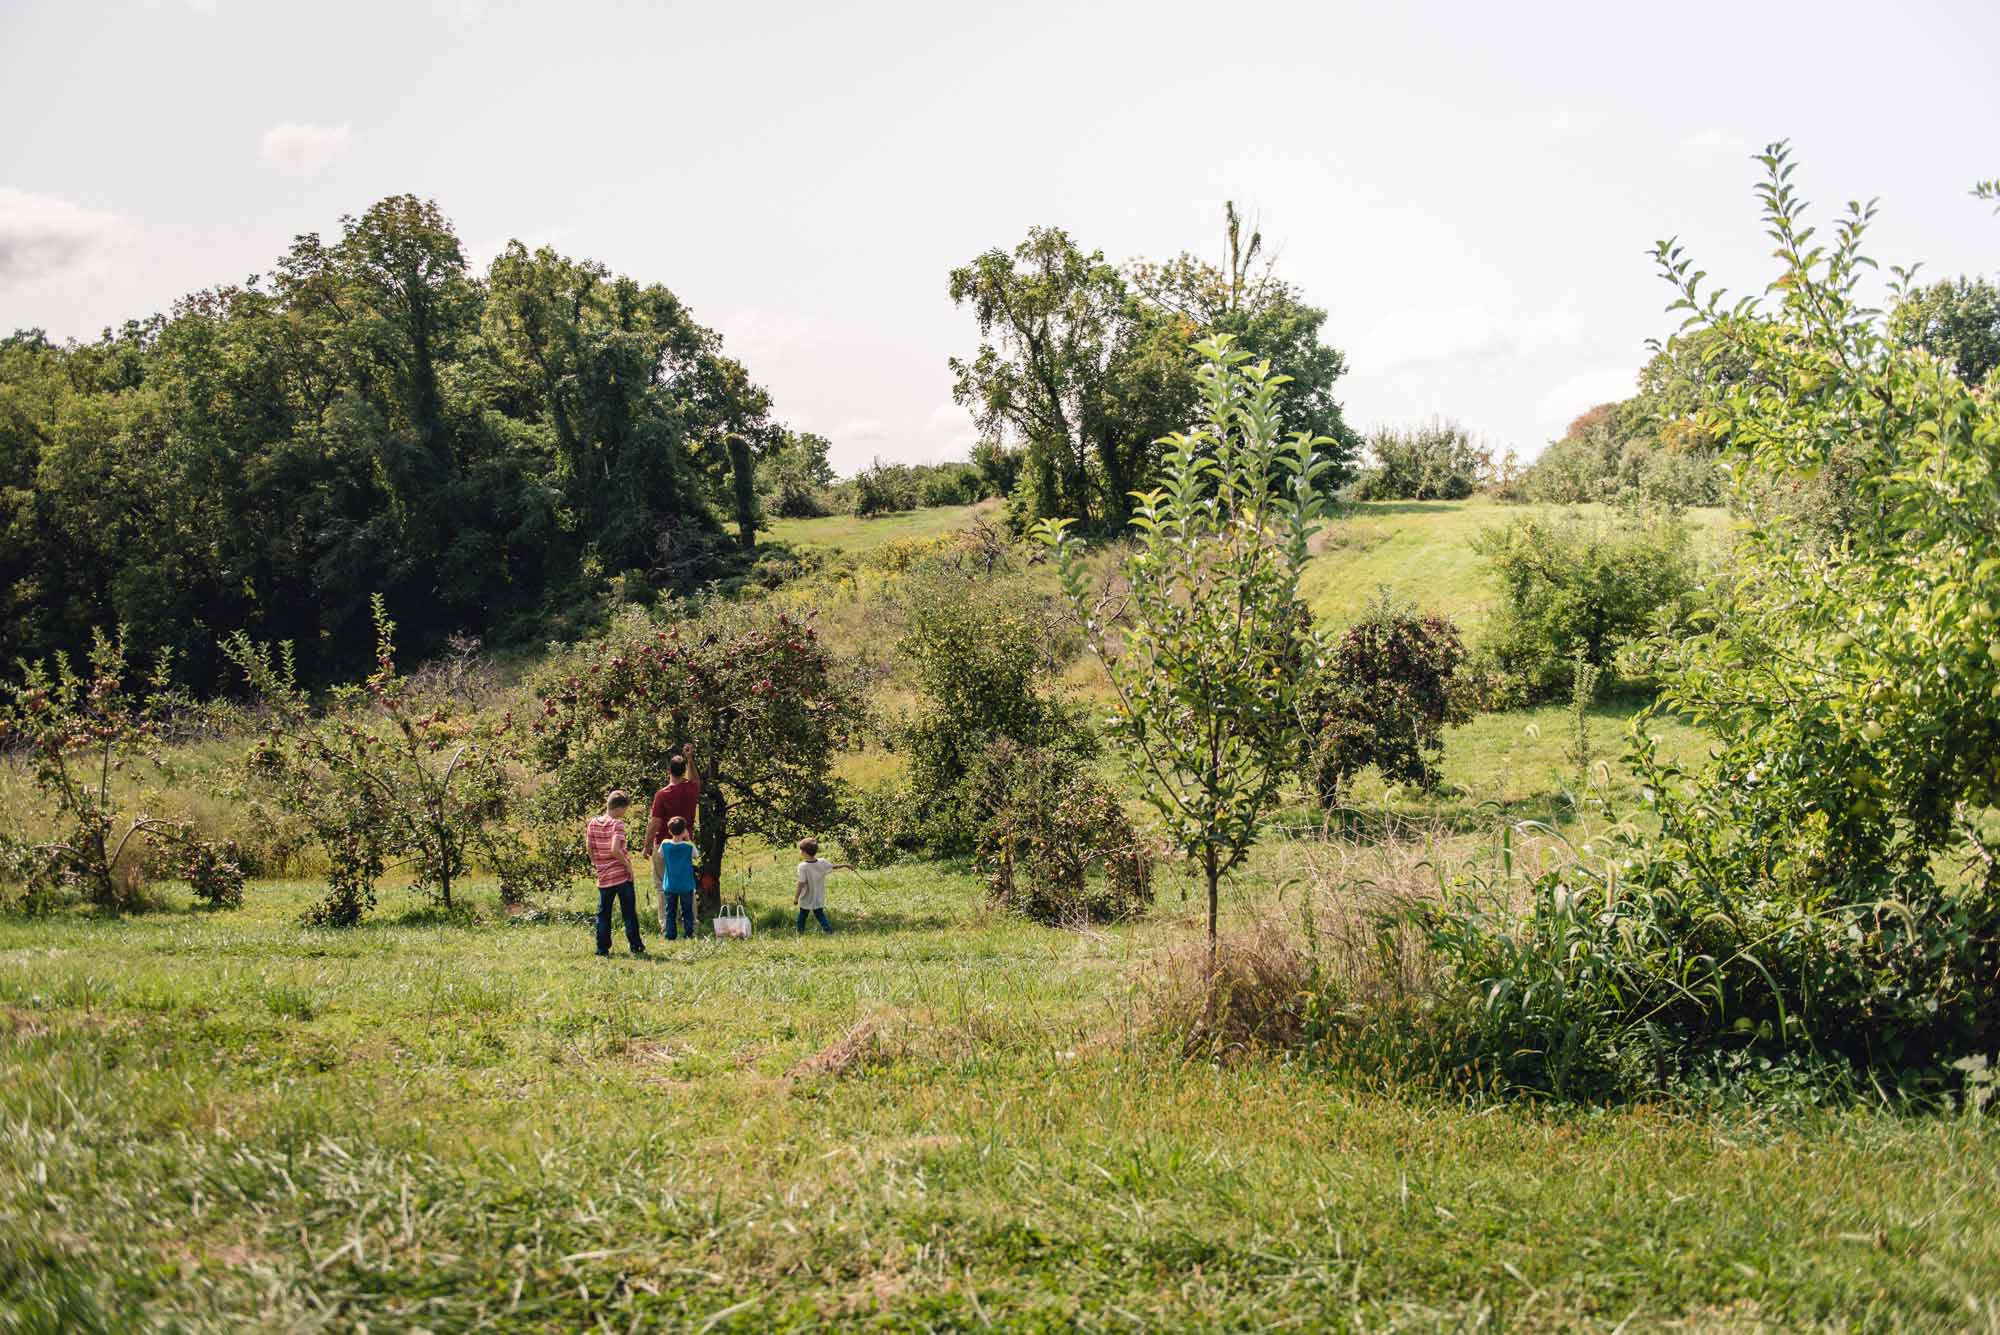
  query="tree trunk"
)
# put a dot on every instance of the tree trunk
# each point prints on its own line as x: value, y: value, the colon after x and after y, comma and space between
x: 1208, y: 865
x: 711, y: 839
x: 743, y: 469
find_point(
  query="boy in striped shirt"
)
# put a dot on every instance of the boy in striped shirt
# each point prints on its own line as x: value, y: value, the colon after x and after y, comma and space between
x: 604, y: 836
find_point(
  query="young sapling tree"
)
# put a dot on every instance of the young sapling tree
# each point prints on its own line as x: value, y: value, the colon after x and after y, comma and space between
x: 1208, y: 667
x: 378, y: 775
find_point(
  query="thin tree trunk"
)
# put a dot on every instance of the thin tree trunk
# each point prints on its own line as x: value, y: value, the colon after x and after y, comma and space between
x: 712, y: 836
x: 1208, y: 865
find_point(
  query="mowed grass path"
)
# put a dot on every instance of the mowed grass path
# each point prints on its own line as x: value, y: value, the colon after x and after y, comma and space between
x: 227, y: 1120
x: 857, y: 535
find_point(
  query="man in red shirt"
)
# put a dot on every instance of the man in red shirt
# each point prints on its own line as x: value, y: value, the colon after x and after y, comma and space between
x: 680, y: 797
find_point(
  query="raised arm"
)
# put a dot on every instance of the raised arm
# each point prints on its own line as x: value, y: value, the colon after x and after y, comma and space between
x: 687, y: 754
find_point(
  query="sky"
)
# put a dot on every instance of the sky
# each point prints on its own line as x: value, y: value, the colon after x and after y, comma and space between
x: 1471, y: 191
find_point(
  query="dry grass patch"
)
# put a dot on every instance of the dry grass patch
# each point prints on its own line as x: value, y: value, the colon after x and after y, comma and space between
x: 837, y: 1058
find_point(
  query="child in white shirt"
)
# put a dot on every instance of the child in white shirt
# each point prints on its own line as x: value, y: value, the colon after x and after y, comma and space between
x: 810, y: 895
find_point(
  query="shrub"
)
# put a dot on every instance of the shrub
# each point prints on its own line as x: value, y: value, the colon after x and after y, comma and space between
x: 1383, y: 696
x: 1818, y: 889
x: 982, y: 652
x: 950, y: 484
x: 1054, y: 843
x: 1435, y: 460
x: 379, y: 775
x: 999, y: 468
x: 1573, y: 580
x: 884, y: 488
x: 981, y: 648
x: 1627, y: 452
x: 84, y: 733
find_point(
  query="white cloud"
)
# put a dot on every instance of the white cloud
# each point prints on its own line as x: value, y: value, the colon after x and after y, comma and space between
x: 859, y: 431
x: 1575, y: 395
x: 304, y: 148
x: 40, y: 236
x: 950, y: 430
x: 1409, y: 339
x: 754, y: 335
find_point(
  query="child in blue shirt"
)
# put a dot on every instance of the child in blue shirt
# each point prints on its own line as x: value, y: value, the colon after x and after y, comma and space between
x: 677, y: 878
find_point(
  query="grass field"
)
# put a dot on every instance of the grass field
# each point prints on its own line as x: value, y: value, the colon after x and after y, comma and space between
x: 855, y: 535
x: 938, y: 1118
x: 934, y: 1119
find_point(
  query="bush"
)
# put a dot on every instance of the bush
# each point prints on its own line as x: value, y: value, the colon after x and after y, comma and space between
x: 1573, y: 580
x: 84, y: 733
x: 1626, y: 452
x: 1819, y: 890
x: 982, y: 652
x: 380, y: 774
x: 951, y: 484
x: 881, y: 489
x: 1435, y: 460
x: 1383, y: 696
x: 1055, y: 845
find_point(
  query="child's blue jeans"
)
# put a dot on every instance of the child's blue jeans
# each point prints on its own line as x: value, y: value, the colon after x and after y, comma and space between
x: 677, y: 904
x: 824, y: 925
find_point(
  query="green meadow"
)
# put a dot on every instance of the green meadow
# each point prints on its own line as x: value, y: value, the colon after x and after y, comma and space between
x: 938, y: 1118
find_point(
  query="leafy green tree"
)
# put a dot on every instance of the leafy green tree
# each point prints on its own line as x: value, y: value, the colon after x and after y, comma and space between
x: 1382, y: 695
x: 1958, y: 321
x: 1084, y: 368
x: 983, y: 654
x: 1570, y: 580
x: 1267, y: 317
x: 763, y: 701
x: 1054, y: 321
x: 794, y: 473
x: 1207, y: 669
x: 1820, y: 882
x: 370, y: 417
x: 1434, y: 460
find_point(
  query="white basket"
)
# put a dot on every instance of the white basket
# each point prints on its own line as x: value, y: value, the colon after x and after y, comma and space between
x: 733, y: 926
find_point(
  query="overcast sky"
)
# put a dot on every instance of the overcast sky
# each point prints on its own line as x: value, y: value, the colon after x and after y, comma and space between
x: 1469, y: 190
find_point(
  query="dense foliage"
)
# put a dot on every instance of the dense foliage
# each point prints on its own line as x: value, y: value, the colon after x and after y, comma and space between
x: 1821, y: 888
x: 1572, y: 580
x: 1055, y: 844
x: 1957, y: 320
x: 1437, y: 460
x: 84, y: 732
x: 369, y: 416
x: 381, y: 773
x: 982, y: 653
x: 1083, y: 369
x: 1650, y: 448
x: 1383, y: 695
x: 763, y: 701
x: 1207, y: 661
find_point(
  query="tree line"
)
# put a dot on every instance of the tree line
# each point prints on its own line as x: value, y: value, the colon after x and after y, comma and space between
x: 489, y: 452
x: 367, y: 417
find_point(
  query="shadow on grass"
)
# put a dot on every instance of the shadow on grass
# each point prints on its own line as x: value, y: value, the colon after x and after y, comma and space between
x: 1383, y: 826
x: 852, y: 919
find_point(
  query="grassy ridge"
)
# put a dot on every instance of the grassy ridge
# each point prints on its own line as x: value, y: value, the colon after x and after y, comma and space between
x: 225, y: 1119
